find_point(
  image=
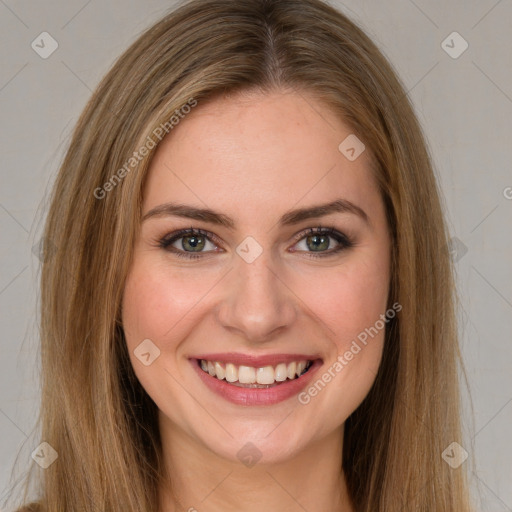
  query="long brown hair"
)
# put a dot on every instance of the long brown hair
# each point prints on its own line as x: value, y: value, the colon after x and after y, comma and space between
x: 94, y: 412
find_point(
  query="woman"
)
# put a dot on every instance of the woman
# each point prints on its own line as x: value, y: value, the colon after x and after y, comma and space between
x: 250, y: 303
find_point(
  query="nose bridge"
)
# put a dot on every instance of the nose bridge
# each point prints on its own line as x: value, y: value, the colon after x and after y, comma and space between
x: 258, y: 303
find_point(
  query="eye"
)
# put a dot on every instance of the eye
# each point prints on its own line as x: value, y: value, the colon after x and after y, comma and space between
x: 324, y: 241
x: 186, y: 242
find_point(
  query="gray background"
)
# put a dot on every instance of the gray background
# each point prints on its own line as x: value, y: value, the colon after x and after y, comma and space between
x: 464, y: 104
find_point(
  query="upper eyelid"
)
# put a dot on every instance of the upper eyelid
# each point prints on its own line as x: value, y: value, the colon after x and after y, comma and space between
x: 181, y: 233
x: 322, y: 230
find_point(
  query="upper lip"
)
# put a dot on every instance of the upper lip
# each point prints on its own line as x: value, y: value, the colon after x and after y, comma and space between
x: 256, y: 361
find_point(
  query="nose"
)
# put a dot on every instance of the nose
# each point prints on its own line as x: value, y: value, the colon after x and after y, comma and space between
x: 258, y: 305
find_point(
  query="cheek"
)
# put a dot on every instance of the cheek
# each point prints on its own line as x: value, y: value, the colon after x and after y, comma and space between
x: 350, y: 307
x: 158, y: 304
x: 348, y: 300
x: 156, y: 299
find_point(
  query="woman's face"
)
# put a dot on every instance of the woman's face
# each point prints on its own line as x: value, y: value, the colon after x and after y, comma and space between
x: 290, y: 267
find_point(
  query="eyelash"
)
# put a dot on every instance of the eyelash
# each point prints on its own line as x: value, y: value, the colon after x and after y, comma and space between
x: 343, y: 240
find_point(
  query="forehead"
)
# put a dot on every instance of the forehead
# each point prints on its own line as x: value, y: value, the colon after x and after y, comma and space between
x: 254, y: 151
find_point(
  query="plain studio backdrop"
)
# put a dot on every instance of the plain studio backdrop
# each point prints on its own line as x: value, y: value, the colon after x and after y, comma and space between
x: 454, y: 59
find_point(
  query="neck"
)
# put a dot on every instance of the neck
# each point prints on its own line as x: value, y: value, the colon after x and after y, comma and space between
x: 203, y: 481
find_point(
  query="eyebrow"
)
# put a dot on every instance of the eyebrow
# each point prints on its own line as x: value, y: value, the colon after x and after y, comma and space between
x: 290, y: 218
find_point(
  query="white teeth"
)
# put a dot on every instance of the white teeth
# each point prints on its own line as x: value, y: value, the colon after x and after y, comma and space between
x: 221, y: 373
x: 281, y: 372
x: 291, y: 370
x: 246, y: 375
x: 231, y: 372
x: 266, y: 375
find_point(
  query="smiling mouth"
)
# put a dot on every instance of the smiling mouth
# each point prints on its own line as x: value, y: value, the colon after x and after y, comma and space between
x: 252, y: 377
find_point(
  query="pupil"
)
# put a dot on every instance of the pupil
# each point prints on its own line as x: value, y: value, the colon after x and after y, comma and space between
x: 194, y: 242
x: 319, y: 242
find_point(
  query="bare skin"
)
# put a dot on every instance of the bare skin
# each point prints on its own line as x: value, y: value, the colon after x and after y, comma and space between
x: 254, y: 158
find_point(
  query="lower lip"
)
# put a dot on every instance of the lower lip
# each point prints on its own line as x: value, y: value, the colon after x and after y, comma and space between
x: 257, y: 396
